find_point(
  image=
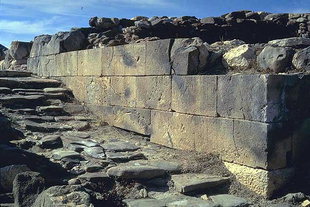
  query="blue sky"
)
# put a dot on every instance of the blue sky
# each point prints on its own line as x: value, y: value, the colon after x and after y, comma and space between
x: 24, y: 19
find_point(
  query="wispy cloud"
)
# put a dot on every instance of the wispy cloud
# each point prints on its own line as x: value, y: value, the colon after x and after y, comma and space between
x: 75, y: 7
x: 30, y: 27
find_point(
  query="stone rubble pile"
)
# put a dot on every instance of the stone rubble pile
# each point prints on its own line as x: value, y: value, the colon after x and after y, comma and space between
x: 60, y: 156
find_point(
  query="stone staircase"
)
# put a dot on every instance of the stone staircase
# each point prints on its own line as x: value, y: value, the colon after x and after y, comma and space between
x: 86, y: 163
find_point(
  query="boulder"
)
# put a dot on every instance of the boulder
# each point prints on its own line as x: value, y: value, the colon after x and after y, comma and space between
x: 71, y: 195
x: 240, y: 58
x: 295, y: 42
x: 103, y: 22
x: 7, y: 176
x: 58, y: 43
x: 189, y: 56
x: 20, y: 50
x: 301, y: 59
x: 275, y: 59
x: 26, y: 188
x: 2, y: 52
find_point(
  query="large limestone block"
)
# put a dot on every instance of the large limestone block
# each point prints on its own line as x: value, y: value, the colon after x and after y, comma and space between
x: 190, y: 132
x: 33, y: 64
x: 263, y: 98
x: 153, y: 92
x: 39, y: 44
x: 253, y: 144
x: 90, y: 62
x: 262, y: 182
x: 78, y: 85
x: 147, y: 58
x: 132, y: 119
x: 157, y: 57
x: 97, y: 91
x: 67, y: 64
x: 194, y: 94
x: 128, y: 60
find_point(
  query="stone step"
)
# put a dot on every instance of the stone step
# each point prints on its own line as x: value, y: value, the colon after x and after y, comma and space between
x: 30, y: 100
x: 40, y: 119
x: 28, y: 83
x: 17, y: 90
x: 51, y: 110
x: 5, y: 90
x: 46, y: 127
x: 6, y: 198
x: 14, y: 73
x: 7, y: 205
x: 56, y: 90
x: 191, y: 182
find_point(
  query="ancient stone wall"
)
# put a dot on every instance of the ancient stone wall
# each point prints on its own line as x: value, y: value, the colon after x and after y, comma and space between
x: 251, y: 120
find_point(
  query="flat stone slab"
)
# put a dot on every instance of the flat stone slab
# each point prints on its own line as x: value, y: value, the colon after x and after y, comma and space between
x: 168, y: 166
x: 5, y: 90
x: 135, y: 172
x: 185, y: 183
x: 62, y: 154
x: 95, y: 152
x: 55, y: 90
x: 28, y: 82
x: 119, y: 146
x: 226, y: 200
x: 51, y: 142
x: 95, y: 177
x: 124, y: 156
x: 19, y: 99
x: 46, y: 127
x: 14, y: 73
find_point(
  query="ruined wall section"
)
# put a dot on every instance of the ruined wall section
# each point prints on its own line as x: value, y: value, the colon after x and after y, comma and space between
x: 249, y: 120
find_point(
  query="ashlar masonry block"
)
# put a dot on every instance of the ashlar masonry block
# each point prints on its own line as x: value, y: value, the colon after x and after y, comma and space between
x: 194, y: 94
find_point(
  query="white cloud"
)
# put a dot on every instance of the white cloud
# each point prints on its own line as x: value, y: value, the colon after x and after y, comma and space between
x: 27, y: 27
x: 75, y: 7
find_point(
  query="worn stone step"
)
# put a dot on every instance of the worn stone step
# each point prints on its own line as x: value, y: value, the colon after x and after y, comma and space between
x: 40, y: 119
x: 46, y: 127
x: 5, y: 90
x: 6, y: 198
x: 59, y: 96
x: 30, y: 100
x: 14, y: 73
x: 17, y: 90
x: 51, y: 110
x: 28, y: 82
x: 190, y: 182
x: 135, y: 172
x: 56, y: 90
x: 27, y: 111
x: 7, y: 205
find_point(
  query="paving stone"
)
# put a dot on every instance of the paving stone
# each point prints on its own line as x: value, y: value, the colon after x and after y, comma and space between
x: 226, y: 200
x: 124, y: 156
x: 145, y: 202
x: 82, y: 135
x: 61, y: 154
x: 95, y: 152
x: 170, y: 167
x: 119, y: 146
x: 95, y: 177
x: 135, y: 172
x: 51, y: 142
x: 186, y: 183
x: 79, y: 125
